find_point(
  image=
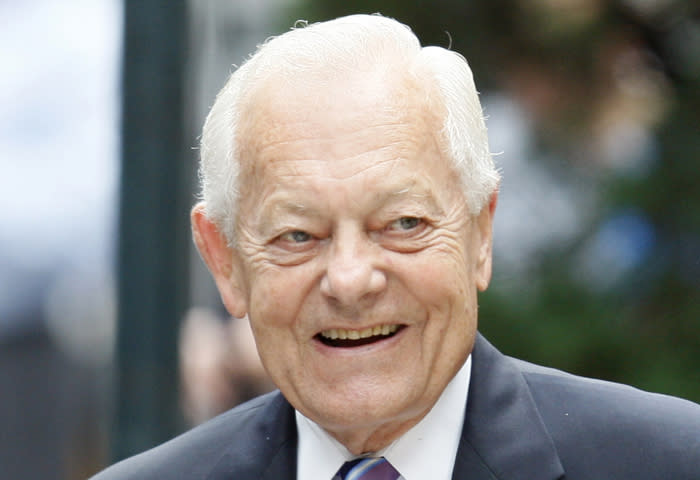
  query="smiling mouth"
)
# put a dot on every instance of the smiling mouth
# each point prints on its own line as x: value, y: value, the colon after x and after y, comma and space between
x: 340, y: 337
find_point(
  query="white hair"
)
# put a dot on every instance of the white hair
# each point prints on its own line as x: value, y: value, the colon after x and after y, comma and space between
x: 357, y: 42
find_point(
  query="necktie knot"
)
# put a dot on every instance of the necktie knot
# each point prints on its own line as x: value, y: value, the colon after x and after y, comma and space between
x: 370, y: 468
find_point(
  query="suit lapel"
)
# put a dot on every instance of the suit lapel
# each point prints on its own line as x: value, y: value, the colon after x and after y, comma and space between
x: 503, y: 437
x: 272, y: 450
x: 282, y: 463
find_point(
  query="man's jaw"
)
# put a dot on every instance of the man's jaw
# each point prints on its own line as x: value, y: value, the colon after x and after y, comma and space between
x: 349, y: 338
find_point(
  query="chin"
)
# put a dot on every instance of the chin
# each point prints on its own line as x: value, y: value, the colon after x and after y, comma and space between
x: 346, y: 413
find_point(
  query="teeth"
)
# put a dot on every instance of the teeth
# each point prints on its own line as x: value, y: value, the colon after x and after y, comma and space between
x: 332, y: 334
x: 343, y: 334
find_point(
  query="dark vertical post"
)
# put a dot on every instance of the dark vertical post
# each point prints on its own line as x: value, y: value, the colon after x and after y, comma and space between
x: 153, y: 233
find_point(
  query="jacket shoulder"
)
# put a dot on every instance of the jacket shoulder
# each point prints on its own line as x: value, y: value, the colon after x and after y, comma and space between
x: 244, y: 436
x: 618, y: 428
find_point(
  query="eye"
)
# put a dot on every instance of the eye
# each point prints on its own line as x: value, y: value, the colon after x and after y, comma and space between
x: 296, y: 236
x: 404, y: 223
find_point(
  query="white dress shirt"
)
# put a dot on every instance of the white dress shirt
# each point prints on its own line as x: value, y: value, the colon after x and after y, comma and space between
x: 427, y: 450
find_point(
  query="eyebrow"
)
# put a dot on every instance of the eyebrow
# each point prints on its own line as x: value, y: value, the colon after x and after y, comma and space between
x: 291, y: 207
x: 282, y: 207
x: 381, y: 199
x: 413, y: 191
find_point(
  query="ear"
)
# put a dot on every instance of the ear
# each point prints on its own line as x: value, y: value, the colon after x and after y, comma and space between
x: 223, y: 261
x: 484, y: 243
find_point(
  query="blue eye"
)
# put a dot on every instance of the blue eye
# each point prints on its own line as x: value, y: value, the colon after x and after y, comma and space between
x: 405, y: 223
x: 296, y: 236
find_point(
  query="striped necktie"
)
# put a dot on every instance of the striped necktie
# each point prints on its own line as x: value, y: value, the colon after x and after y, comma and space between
x: 370, y: 468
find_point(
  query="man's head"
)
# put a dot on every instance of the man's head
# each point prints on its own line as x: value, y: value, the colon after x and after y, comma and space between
x: 348, y: 194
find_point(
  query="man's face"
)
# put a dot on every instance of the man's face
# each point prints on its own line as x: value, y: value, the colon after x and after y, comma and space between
x: 357, y: 259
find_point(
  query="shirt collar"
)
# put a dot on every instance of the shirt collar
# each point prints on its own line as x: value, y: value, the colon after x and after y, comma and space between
x: 427, y: 450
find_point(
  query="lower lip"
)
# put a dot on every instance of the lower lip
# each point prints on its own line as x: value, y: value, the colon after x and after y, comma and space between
x: 383, y: 344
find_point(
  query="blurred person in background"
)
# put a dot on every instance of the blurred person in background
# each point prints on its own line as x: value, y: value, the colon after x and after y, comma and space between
x: 348, y: 200
x: 219, y: 365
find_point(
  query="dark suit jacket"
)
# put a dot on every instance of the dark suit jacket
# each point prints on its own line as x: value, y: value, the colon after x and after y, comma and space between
x: 523, y: 422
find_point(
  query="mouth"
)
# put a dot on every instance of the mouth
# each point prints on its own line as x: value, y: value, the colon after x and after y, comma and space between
x: 343, y: 338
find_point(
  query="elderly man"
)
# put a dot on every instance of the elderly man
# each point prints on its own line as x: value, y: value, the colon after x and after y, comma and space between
x: 348, y: 196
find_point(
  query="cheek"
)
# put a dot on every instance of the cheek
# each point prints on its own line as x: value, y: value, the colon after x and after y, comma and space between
x: 277, y: 294
x: 270, y: 300
x: 440, y: 279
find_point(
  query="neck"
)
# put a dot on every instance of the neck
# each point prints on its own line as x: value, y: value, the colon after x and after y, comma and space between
x: 371, y: 440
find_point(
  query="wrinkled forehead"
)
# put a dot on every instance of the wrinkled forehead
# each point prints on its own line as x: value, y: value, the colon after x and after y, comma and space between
x: 387, y: 103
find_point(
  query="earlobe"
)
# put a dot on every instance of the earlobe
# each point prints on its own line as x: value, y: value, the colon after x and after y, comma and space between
x: 485, y: 245
x: 222, y: 261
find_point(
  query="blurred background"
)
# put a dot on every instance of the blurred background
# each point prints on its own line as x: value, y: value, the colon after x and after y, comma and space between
x: 112, y: 337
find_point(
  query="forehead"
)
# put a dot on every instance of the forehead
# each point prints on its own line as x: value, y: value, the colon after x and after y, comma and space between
x: 364, y: 109
x: 338, y: 127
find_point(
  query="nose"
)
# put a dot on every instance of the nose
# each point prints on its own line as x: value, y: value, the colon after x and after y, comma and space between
x: 352, y: 274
